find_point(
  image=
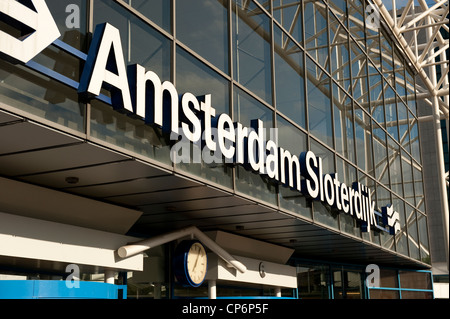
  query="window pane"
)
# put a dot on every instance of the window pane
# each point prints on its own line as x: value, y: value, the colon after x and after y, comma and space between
x: 131, y: 134
x: 43, y: 97
x: 423, y: 237
x: 205, y: 29
x: 159, y: 11
x: 413, y: 237
x: 322, y: 213
x: 380, y: 154
x: 340, y: 60
x: 251, y: 48
x: 140, y: 43
x: 316, y: 29
x: 289, y: 14
x: 73, y: 31
x: 289, y: 78
x: 319, y: 109
x: 343, y: 123
x: 195, y: 77
x: 395, y: 166
x: 313, y: 281
x: 246, y: 109
x: 292, y: 139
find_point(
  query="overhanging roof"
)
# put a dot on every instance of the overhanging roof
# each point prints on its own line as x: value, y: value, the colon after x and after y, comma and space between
x: 35, y: 154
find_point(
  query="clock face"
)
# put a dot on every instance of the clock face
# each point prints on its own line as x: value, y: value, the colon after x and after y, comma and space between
x: 197, y: 263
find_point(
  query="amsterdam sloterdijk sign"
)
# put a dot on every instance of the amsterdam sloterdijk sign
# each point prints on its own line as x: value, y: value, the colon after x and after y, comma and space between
x: 141, y: 93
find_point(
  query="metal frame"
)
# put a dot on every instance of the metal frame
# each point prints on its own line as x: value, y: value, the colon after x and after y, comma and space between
x: 418, y: 32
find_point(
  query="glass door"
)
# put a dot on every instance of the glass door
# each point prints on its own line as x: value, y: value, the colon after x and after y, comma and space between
x: 348, y: 284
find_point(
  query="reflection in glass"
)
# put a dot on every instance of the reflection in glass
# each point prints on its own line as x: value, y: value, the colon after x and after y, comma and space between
x: 246, y: 109
x: 316, y: 29
x: 322, y: 213
x: 205, y: 29
x: 198, y: 79
x: 340, y: 66
x: 343, y: 123
x: 289, y: 78
x: 73, y: 27
x: 380, y: 154
x: 292, y: 139
x: 289, y: 14
x: 45, y: 98
x: 413, y: 236
x: 140, y: 43
x: 159, y: 11
x: 423, y: 238
x: 251, y: 48
x: 319, y: 108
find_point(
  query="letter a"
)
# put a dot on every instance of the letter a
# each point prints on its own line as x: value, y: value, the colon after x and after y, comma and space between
x: 105, y: 64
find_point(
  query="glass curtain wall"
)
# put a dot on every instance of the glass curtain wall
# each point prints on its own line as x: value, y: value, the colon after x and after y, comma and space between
x: 314, y: 70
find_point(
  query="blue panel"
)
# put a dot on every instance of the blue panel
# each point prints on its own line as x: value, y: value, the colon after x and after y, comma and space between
x: 53, y: 289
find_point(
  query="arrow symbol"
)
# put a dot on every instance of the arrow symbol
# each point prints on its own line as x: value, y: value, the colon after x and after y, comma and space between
x: 41, y: 21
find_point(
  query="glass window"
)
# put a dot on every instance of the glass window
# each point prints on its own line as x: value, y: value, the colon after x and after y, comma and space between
x: 386, y: 59
x: 356, y: 12
x: 376, y: 96
x: 322, y: 213
x: 380, y: 153
x: 205, y: 29
x: 395, y: 166
x: 413, y: 238
x: 316, y: 31
x: 348, y: 284
x: 251, y: 48
x: 415, y: 142
x: 289, y: 78
x: 399, y: 69
x: 418, y: 188
x: 340, y: 60
x: 363, y: 140
x: 391, y: 112
x: 343, y: 123
x: 292, y: 139
x: 72, y: 24
x: 159, y: 11
x: 403, y: 126
x: 131, y: 134
x: 319, y: 109
x: 246, y: 109
x: 423, y: 238
x: 289, y: 14
x: 359, y: 74
x: 410, y: 91
x: 36, y: 94
x: 401, y: 240
x: 408, y: 182
x: 195, y: 77
x: 313, y: 281
x: 140, y: 43
x: 339, y: 8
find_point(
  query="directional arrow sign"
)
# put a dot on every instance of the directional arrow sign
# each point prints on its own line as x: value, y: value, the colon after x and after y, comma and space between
x: 41, y: 21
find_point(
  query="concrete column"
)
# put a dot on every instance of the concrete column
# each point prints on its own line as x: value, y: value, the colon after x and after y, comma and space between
x: 212, y: 289
x: 109, y: 276
x: 277, y: 292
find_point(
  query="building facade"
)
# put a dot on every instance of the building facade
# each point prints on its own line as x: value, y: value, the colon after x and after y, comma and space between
x: 283, y: 134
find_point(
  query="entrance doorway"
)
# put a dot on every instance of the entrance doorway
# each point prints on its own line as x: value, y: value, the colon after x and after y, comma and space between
x: 348, y: 284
